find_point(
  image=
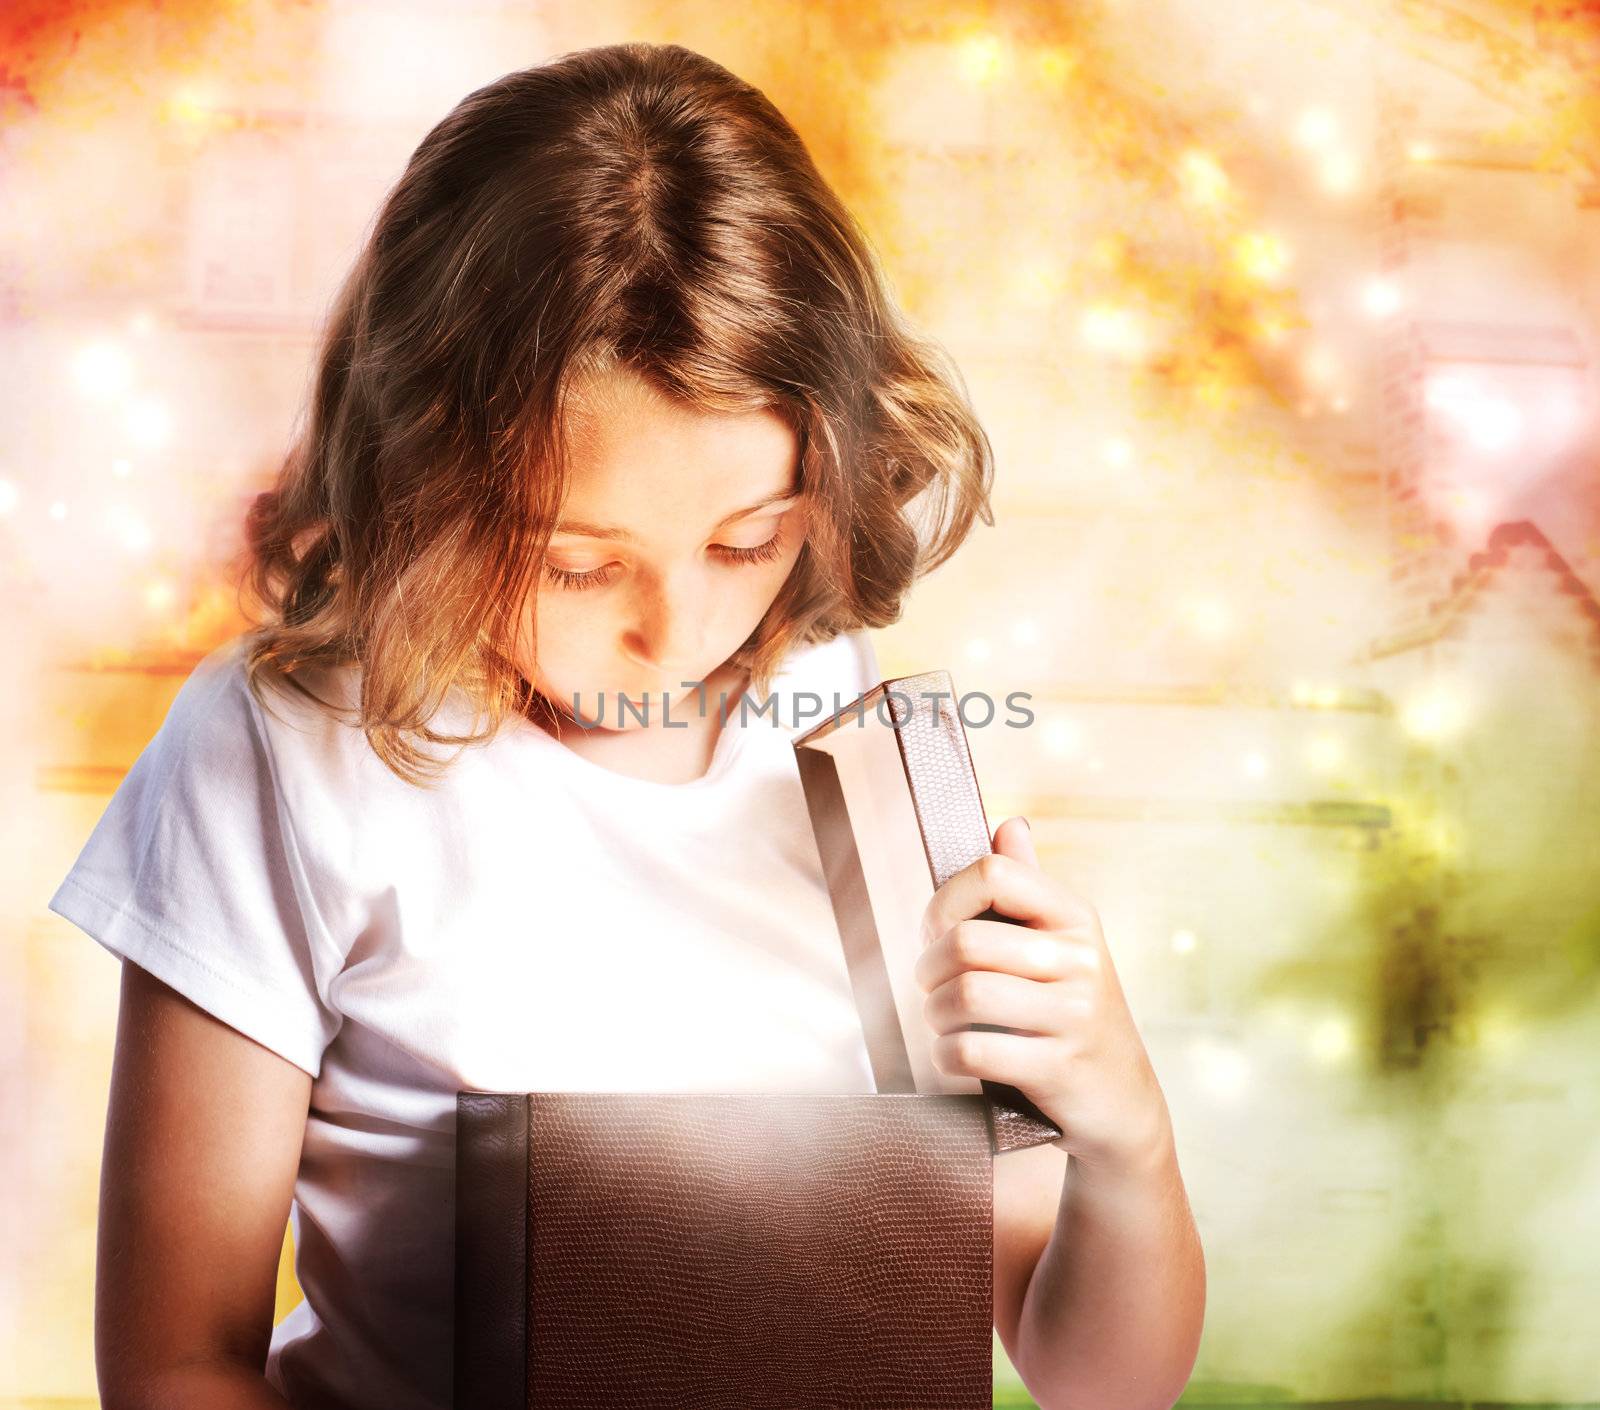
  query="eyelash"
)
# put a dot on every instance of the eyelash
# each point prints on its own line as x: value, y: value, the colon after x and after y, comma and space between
x: 598, y: 577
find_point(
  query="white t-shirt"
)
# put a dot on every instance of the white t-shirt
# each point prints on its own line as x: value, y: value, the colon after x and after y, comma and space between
x: 534, y: 922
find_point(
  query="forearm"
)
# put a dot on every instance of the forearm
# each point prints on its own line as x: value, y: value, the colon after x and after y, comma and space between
x: 1113, y: 1312
x: 213, y: 1386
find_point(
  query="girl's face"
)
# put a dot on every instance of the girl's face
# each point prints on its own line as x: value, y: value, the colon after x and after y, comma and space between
x: 679, y: 530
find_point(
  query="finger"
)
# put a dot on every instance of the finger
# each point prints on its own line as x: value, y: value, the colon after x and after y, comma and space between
x: 1013, y: 889
x: 1011, y: 949
x: 1014, y: 1058
x: 1014, y: 838
x: 985, y: 996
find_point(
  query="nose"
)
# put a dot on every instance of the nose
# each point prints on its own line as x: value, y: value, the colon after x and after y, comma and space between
x: 668, y: 636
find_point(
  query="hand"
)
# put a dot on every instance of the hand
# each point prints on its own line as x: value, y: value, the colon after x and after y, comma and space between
x: 1075, y: 1052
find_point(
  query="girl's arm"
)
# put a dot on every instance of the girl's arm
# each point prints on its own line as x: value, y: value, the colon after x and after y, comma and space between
x: 204, y: 1388
x: 203, y: 1138
x: 1108, y: 1316
x: 1113, y: 1312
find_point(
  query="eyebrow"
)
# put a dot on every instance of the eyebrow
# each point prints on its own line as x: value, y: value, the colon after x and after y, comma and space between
x: 586, y: 529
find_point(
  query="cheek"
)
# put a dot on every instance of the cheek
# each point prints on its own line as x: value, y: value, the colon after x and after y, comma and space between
x: 561, y: 622
x: 561, y: 618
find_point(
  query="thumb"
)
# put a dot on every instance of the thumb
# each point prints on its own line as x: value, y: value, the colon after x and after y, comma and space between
x: 1014, y: 838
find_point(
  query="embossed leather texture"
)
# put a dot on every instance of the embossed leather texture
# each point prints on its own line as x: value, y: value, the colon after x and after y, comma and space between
x: 739, y: 1251
x: 727, y: 1251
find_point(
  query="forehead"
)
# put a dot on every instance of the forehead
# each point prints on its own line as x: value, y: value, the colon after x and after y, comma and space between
x: 636, y: 454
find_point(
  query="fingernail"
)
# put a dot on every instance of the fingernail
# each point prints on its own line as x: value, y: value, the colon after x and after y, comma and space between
x: 1028, y: 825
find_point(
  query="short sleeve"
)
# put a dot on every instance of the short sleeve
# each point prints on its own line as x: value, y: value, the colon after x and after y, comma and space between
x: 193, y: 872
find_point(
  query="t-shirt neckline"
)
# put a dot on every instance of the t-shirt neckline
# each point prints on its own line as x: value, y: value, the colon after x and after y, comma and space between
x: 730, y: 737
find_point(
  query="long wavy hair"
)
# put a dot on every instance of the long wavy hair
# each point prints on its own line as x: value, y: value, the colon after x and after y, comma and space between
x: 631, y: 205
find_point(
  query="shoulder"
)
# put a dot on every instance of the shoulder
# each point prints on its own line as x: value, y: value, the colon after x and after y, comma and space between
x: 209, y: 738
x: 223, y: 724
x: 310, y: 721
x: 297, y: 764
x: 846, y: 663
x: 197, y: 872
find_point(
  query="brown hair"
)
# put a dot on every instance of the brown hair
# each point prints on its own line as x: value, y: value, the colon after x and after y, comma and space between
x: 631, y: 205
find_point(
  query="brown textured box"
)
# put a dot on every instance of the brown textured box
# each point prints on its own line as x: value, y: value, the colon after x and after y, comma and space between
x: 652, y: 1250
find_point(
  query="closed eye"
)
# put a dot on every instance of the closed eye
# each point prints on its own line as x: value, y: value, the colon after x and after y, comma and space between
x: 599, y: 577
x: 761, y: 553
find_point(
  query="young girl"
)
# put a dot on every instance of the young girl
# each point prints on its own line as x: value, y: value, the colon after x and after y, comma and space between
x: 615, y: 431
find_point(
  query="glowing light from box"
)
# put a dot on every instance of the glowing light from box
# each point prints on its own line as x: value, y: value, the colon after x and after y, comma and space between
x: 1025, y: 632
x: 142, y: 323
x: 1420, y: 151
x: 1331, y: 1040
x: 58, y: 509
x: 1184, y: 942
x: 102, y: 370
x: 1261, y: 255
x: 9, y: 495
x: 979, y: 650
x: 1255, y: 764
x: 122, y: 468
x: 1221, y: 1070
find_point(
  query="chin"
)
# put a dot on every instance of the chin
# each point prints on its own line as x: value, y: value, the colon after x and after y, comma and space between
x: 681, y: 700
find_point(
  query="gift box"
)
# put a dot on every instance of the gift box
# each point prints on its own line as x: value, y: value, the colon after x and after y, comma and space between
x: 656, y: 1249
